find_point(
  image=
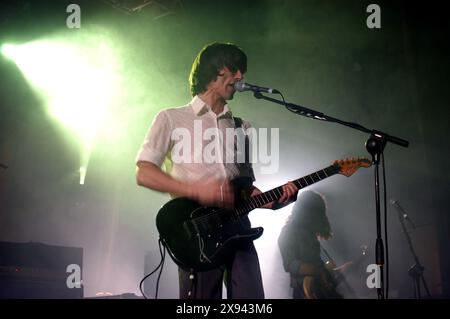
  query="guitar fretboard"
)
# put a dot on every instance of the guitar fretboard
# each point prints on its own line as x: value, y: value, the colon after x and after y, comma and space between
x: 275, y: 194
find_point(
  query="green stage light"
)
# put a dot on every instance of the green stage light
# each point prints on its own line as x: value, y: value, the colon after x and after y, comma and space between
x: 8, y: 50
x: 82, y: 175
x: 77, y: 82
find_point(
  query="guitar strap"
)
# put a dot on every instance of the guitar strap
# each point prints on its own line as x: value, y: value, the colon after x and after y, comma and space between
x: 245, y: 181
x: 238, y: 124
x: 246, y: 167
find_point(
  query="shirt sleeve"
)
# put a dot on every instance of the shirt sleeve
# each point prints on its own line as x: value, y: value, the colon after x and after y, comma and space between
x: 157, y: 142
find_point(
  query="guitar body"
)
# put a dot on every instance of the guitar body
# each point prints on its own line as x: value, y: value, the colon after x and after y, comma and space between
x: 201, y: 238
x: 316, y: 287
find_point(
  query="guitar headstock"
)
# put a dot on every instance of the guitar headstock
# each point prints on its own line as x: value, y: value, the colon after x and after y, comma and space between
x: 350, y: 165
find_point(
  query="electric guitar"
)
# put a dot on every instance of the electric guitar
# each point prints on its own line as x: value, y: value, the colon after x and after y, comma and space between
x: 325, y: 287
x: 200, y: 238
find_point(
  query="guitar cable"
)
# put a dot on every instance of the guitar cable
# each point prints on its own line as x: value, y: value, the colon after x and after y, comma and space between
x: 162, y: 252
x: 201, y: 246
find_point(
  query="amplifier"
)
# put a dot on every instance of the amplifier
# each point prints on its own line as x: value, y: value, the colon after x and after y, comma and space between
x: 36, y: 270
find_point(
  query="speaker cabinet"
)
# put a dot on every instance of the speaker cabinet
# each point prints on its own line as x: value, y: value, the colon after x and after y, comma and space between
x: 40, y: 271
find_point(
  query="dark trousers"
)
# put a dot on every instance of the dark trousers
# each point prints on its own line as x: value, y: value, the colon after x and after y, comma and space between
x: 242, y: 276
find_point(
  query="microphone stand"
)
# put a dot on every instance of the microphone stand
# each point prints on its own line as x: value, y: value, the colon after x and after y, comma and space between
x: 416, y: 270
x: 374, y: 145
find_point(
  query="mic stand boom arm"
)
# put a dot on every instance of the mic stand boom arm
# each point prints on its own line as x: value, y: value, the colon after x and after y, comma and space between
x: 374, y: 145
x: 301, y: 110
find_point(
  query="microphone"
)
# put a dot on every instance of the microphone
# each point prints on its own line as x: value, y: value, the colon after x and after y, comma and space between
x: 242, y: 86
x: 400, y: 209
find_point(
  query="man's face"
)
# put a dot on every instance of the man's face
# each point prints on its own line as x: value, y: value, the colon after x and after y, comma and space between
x: 224, y: 84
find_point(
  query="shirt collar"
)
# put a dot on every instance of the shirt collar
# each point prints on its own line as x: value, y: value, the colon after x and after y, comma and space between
x: 199, y: 107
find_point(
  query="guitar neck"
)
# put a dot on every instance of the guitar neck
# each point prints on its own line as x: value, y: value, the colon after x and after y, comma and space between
x: 275, y: 194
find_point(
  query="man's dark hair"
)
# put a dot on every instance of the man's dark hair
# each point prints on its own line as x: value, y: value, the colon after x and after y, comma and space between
x: 211, y: 59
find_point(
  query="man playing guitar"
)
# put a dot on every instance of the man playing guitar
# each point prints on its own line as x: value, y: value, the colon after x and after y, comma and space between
x: 216, y: 69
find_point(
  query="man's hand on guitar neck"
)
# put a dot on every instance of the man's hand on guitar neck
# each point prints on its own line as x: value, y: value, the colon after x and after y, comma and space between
x: 290, y: 192
x: 289, y: 195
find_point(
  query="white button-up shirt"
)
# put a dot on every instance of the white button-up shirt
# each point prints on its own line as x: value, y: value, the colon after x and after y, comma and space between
x: 185, y: 133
